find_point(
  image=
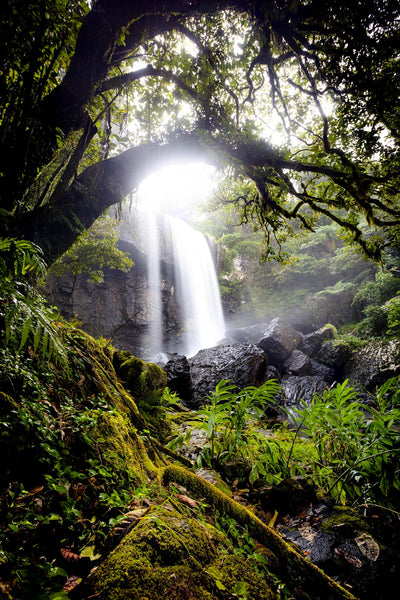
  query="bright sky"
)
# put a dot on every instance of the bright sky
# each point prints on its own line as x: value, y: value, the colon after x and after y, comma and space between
x: 177, y: 189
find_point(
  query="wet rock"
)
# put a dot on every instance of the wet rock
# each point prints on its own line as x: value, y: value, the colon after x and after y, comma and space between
x: 302, y: 388
x: 318, y: 545
x: 119, y: 307
x: 359, y: 552
x: 301, y: 365
x: 242, y: 364
x: 179, y: 380
x: 250, y: 334
x: 298, y: 364
x: 311, y: 343
x: 278, y: 341
x: 335, y: 354
x: 374, y: 363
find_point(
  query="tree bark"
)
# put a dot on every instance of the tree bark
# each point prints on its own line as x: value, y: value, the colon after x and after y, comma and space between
x: 56, y: 225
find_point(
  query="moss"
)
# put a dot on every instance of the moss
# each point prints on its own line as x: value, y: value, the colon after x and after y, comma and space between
x: 159, y: 559
x: 233, y: 571
x: 168, y: 556
x: 146, y: 381
x: 120, y: 446
x: 100, y: 374
x: 343, y: 518
x: 296, y: 567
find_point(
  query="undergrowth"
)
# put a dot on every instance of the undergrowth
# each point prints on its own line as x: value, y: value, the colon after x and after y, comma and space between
x: 346, y: 449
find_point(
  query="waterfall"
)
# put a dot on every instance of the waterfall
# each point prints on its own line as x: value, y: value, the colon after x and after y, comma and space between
x: 197, y: 288
x: 195, y: 285
x: 150, y: 239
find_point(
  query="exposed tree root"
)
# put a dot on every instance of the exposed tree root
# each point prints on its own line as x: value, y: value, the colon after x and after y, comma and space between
x: 300, y: 572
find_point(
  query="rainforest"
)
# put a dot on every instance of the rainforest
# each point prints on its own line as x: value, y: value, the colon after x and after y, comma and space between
x: 200, y: 400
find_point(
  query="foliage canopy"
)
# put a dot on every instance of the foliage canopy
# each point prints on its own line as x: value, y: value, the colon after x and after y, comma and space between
x: 286, y: 96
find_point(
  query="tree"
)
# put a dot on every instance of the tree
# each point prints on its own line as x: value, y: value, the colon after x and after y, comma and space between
x: 95, y: 98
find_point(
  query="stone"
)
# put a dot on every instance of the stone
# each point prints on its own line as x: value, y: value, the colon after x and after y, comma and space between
x: 298, y: 364
x: 242, y: 364
x: 179, y: 380
x: 278, y: 341
x: 302, y: 388
x: 311, y: 343
x: 335, y: 354
x: 118, y: 308
x: 374, y: 363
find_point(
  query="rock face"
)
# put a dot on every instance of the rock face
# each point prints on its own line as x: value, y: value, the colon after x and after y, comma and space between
x: 243, y: 364
x: 119, y: 307
x: 303, y: 388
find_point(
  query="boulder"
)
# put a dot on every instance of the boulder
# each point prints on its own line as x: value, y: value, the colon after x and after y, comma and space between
x: 278, y: 341
x: 311, y: 343
x: 300, y: 364
x: 374, y: 363
x: 302, y: 388
x: 335, y: 354
x: 177, y: 370
x: 242, y: 364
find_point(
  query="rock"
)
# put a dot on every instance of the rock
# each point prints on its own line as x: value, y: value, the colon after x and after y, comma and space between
x: 242, y: 364
x: 374, y: 363
x: 347, y: 546
x: 311, y: 343
x: 278, y: 342
x: 336, y: 355
x: 250, y: 334
x: 177, y: 370
x: 171, y: 555
x: 302, y: 388
x: 119, y: 307
x: 298, y: 364
x: 146, y: 382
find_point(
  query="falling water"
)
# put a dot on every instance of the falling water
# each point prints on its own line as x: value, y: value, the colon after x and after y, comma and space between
x: 195, y: 284
x: 150, y: 235
x: 197, y: 288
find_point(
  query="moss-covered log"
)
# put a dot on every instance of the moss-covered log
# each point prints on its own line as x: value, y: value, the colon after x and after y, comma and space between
x: 300, y: 572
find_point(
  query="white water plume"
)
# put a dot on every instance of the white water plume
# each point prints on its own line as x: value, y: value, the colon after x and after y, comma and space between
x: 195, y: 284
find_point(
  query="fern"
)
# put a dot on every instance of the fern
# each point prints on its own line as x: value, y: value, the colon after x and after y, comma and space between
x: 25, y: 318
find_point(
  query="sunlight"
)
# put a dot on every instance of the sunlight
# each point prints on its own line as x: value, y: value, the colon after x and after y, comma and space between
x: 178, y: 190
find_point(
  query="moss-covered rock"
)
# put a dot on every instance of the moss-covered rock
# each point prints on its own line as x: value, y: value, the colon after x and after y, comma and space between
x: 146, y: 381
x: 168, y: 556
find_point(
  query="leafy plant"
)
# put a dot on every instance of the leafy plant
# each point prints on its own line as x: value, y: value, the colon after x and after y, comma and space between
x: 24, y: 315
x: 357, y: 446
x: 226, y: 418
